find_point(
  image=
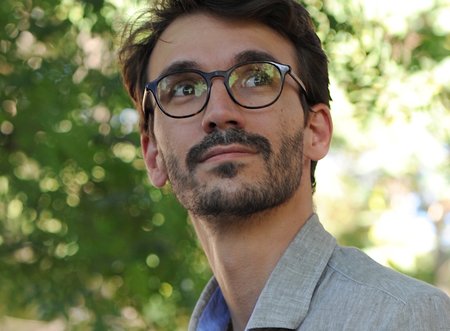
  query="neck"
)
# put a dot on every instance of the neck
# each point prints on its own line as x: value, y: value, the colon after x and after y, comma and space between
x: 243, y: 255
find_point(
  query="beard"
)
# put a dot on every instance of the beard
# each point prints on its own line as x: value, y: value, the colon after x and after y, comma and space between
x: 281, y: 176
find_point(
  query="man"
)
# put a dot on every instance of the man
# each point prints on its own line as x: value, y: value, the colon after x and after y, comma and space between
x: 235, y: 114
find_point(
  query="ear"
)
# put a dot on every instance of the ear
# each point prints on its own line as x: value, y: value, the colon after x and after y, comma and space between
x: 318, y: 132
x: 156, y: 167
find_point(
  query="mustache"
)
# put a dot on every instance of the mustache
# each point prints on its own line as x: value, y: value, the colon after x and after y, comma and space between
x: 228, y: 137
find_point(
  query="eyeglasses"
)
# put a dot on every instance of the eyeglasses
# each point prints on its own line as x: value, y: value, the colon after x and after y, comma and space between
x: 185, y: 93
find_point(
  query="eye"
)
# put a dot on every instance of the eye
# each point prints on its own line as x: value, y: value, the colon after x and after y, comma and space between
x: 183, y: 89
x: 181, y: 86
x: 255, y: 75
x: 188, y: 88
x: 257, y: 78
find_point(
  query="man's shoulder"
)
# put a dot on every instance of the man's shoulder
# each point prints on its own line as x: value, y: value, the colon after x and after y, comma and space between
x: 358, y: 271
x: 356, y: 292
x: 355, y: 267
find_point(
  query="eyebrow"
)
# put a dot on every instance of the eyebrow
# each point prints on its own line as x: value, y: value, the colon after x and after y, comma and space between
x: 253, y: 55
x: 244, y: 56
x: 178, y: 66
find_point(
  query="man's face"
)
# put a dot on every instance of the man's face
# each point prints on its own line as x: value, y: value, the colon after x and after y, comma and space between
x: 227, y: 161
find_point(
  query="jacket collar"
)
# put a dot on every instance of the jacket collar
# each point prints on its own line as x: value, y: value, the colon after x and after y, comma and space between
x: 286, y: 297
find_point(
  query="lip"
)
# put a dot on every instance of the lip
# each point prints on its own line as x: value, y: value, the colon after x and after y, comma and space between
x: 220, y: 153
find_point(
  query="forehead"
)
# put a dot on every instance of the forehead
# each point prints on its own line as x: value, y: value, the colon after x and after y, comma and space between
x: 214, y: 43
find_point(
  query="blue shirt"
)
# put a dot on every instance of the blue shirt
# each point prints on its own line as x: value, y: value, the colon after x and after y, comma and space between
x: 216, y: 315
x: 319, y: 285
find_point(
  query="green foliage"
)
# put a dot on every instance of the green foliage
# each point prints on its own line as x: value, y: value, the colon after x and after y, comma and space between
x: 83, y: 235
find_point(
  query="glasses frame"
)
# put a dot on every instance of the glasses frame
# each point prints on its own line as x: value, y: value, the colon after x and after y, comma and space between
x: 151, y: 87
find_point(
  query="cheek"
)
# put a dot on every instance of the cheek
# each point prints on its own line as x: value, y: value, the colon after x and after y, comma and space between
x: 173, y: 143
x: 290, y: 119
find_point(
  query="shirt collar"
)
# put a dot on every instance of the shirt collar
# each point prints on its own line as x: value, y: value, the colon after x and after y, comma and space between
x: 215, y: 316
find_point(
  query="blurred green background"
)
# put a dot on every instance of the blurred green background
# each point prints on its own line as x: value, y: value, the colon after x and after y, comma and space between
x: 86, y: 243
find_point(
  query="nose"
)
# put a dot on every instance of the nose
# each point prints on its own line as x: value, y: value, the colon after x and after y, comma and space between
x: 221, y: 111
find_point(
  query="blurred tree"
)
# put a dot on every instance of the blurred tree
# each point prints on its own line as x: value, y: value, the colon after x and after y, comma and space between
x: 83, y: 236
x: 385, y: 186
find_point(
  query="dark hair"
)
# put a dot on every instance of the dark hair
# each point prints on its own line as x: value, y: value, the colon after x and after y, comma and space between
x: 287, y: 17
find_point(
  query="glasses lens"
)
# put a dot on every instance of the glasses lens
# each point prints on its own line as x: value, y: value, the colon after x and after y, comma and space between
x: 182, y: 94
x: 255, y: 85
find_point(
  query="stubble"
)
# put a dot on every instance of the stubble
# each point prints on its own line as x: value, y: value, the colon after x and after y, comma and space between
x: 280, y: 178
